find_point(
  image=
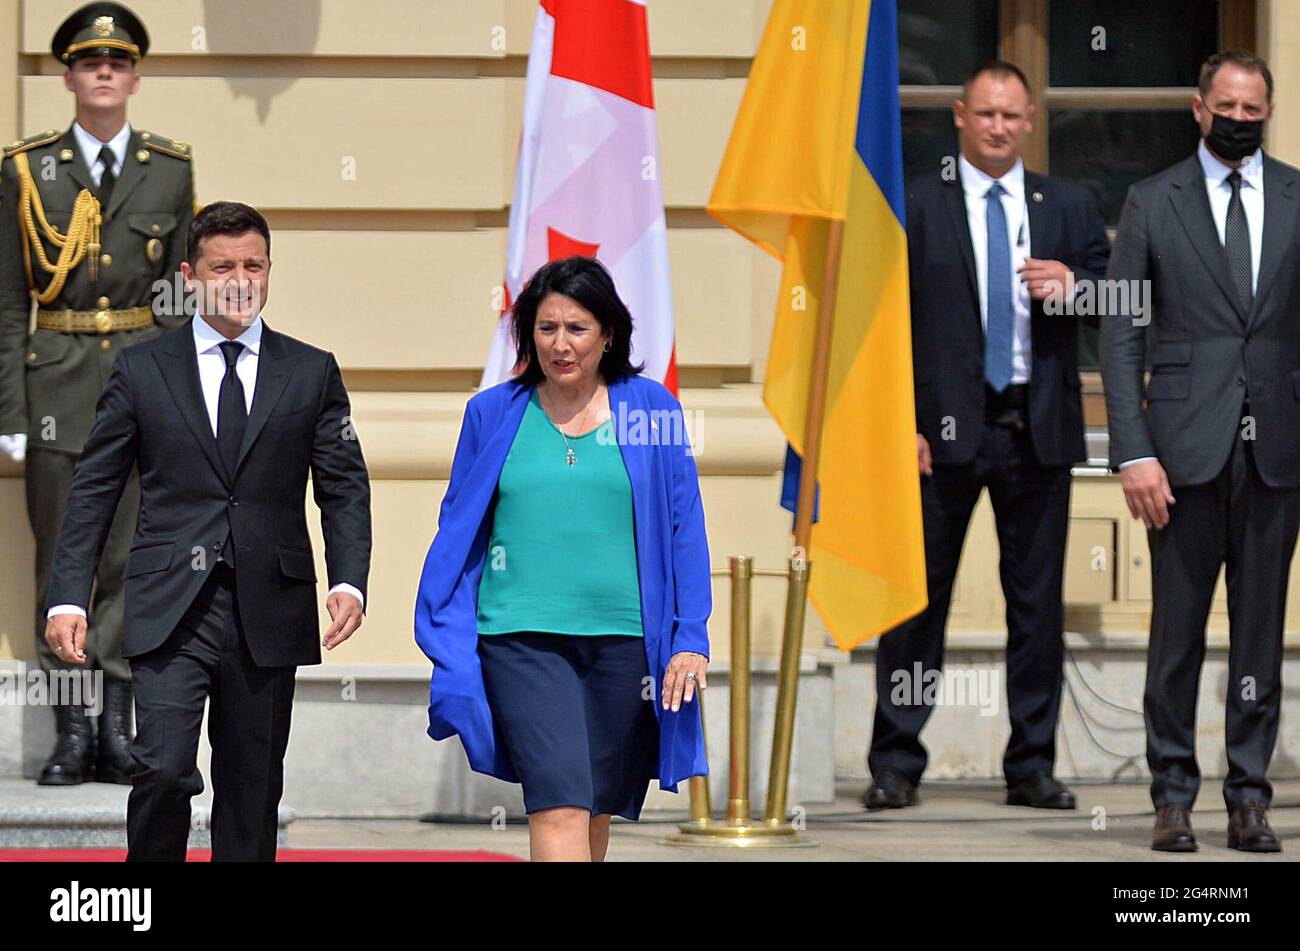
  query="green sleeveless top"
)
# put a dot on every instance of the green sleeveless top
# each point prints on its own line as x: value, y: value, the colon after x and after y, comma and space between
x: 562, y: 554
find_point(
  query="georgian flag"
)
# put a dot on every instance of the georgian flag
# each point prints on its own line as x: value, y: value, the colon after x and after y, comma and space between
x: 587, y: 181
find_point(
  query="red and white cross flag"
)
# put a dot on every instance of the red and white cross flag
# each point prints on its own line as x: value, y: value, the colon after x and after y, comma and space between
x: 588, y: 175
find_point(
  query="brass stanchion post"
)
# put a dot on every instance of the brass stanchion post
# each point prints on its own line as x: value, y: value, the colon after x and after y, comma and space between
x: 787, y: 693
x: 701, y: 804
x: 738, y: 800
x: 739, y: 830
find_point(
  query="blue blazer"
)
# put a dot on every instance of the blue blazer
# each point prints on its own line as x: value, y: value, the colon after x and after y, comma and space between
x: 672, y: 557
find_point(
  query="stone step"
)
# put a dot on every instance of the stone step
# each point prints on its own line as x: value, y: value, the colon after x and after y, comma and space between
x: 92, y: 815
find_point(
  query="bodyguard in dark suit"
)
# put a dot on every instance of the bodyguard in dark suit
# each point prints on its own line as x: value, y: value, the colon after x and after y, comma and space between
x: 1212, y: 464
x: 225, y: 419
x: 997, y: 407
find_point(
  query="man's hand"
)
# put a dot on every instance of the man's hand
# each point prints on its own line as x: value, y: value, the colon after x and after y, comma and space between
x: 66, y: 635
x: 347, y: 615
x: 923, y: 457
x: 1047, y: 279
x: 14, y: 446
x: 1146, y: 490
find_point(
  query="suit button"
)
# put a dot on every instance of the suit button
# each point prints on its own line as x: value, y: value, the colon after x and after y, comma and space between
x: 234, y: 501
x: 102, y: 303
x: 106, y: 260
x: 216, y: 546
x: 1241, y: 381
x: 106, y: 345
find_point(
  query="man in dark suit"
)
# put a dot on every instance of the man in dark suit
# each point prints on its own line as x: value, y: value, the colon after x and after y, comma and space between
x: 993, y: 254
x: 1212, y: 466
x: 225, y: 419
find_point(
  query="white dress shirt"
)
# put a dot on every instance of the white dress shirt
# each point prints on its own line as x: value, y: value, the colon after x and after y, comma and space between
x: 212, y: 370
x: 212, y: 363
x: 90, y: 147
x: 976, y: 185
x: 1252, y: 203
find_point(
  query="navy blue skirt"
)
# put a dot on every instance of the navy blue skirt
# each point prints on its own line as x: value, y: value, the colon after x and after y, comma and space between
x: 574, y: 715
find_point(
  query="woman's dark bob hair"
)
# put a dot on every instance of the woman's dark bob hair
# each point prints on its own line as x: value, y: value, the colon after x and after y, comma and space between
x: 585, y: 281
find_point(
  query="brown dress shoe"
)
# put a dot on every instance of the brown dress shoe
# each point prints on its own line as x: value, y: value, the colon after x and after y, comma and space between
x: 1173, y: 832
x: 1248, y: 829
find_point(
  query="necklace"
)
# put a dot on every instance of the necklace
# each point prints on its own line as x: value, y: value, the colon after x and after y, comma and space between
x: 569, y: 455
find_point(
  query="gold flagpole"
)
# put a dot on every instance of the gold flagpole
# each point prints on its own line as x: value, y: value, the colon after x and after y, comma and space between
x: 800, y: 564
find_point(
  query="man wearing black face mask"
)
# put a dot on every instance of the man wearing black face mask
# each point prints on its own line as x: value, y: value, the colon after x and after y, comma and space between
x: 1212, y: 463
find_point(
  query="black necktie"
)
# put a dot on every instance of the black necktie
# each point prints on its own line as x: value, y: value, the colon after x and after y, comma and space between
x: 232, y: 419
x: 108, y: 179
x: 1236, y: 242
x: 232, y: 412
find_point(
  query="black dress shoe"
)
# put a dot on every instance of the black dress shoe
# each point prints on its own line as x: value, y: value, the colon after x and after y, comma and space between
x: 1040, y: 791
x: 889, y: 789
x: 73, y: 760
x: 1173, y: 832
x: 113, y: 763
x: 1249, y: 831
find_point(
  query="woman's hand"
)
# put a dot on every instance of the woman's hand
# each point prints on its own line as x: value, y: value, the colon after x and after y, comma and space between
x: 685, y: 671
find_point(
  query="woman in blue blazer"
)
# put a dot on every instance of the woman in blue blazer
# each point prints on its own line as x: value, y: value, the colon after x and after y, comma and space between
x: 565, y: 598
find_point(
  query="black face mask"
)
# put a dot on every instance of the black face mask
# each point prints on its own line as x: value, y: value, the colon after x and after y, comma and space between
x: 1234, y: 139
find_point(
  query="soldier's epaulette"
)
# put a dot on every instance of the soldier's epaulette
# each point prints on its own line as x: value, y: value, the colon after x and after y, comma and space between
x: 167, y: 146
x: 31, y: 142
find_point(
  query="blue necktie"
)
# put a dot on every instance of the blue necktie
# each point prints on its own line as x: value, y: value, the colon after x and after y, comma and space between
x: 999, y: 329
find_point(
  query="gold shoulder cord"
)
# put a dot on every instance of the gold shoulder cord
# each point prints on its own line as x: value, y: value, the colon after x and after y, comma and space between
x: 82, y: 237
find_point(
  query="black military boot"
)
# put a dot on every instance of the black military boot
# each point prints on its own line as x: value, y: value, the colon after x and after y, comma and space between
x: 73, y: 760
x: 114, y: 764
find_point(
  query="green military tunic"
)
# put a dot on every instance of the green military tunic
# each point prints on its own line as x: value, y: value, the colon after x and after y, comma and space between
x: 55, y: 377
x: 51, y: 379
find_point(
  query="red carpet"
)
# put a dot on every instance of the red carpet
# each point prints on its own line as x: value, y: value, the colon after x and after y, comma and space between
x: 283, y: 855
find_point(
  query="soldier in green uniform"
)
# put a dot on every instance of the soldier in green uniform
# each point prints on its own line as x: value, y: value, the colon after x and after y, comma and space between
x: 90, y: 218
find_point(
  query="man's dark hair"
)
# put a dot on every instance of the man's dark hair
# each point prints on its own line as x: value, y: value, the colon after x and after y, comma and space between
x: 224, y: 217
x: 1244, y: 59
x: 585, y: 281
x: 995, y: 67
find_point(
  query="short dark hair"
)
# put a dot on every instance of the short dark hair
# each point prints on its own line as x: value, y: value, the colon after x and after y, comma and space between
x: 995, y: 67
x: 585, y: 281
x: 1245, y: 59
x: 224, y: 217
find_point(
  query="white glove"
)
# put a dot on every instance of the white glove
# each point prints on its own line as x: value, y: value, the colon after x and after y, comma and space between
x: 15, y: 446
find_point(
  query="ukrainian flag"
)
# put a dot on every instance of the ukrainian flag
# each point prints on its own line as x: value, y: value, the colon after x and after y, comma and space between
x: 817, y: 139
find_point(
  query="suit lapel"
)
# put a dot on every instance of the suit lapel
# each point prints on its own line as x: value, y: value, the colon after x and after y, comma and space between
x: 954, y: 196
x: 1043, y: 235
x: 1192, y: 205
x: 1279, y: 227
x: 1042, y: 220
x: 133, y: 173
x: 76, y: 168
x: 178, y: 363
x: 274, y: 367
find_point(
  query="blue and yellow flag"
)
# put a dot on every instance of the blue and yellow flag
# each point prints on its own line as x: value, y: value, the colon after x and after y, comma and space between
x: 817, y: 139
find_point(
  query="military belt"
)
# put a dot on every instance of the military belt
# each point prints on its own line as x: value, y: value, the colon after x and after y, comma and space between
x: 94, y: 321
